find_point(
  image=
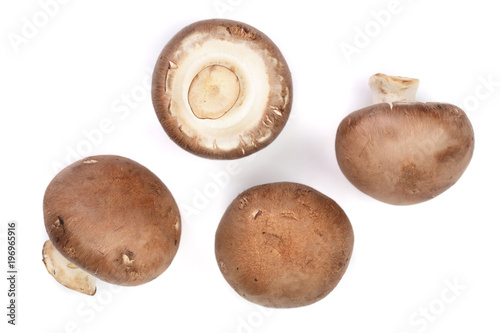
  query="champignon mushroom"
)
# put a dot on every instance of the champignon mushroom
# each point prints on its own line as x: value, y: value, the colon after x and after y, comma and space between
x: 109, y: 217
x: 400, y: 151
x: 283, y: 245
x: 222, y: 89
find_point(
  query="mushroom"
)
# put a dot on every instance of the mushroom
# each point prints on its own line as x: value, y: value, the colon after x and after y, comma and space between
x: 283, y: 245
x: 222, y: 89
x: 400, y: 151
x: 111, y: 218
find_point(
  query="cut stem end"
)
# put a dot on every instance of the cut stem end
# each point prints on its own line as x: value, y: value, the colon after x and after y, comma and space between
x: 65, y: 272
x: 389, y: 89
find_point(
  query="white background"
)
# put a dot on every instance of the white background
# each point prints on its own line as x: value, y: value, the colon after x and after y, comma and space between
x: 80, y: 65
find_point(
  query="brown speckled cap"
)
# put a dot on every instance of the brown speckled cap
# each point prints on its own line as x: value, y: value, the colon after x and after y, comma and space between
x: 401, y: 151
x: 113, y: 218
x: 283, y: 245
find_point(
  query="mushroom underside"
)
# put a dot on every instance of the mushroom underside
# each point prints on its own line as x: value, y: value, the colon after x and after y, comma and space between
x: 222, y: 89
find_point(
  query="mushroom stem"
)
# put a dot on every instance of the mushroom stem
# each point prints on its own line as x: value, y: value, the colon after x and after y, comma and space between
x: 213, y: 92
x: 65, y: 272
x: 389, y: 89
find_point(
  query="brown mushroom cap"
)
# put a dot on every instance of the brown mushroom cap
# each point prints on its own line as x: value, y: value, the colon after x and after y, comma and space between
x: 222, y: 89
x: 283, y: 245
x: 405, y: 152
x: 113, y: 218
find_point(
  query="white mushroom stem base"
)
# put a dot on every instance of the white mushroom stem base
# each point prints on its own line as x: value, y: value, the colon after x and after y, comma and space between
x: 65, y: 272
x: 389, y: 89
